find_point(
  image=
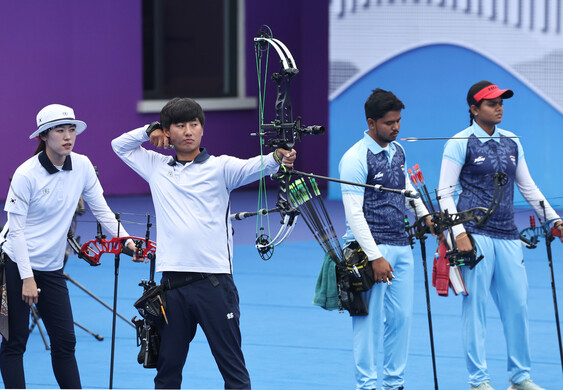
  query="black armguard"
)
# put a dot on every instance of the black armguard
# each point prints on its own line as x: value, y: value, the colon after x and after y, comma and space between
x: 152, y: 127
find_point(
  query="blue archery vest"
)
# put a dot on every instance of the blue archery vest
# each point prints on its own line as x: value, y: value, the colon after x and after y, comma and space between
x: 385, y: 211
x: 482, y: 161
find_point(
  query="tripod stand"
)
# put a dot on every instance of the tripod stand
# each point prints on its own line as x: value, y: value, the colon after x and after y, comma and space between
x: 36, y: 316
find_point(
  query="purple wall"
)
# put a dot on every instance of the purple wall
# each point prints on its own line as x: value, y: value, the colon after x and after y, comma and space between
x: 88, y: 55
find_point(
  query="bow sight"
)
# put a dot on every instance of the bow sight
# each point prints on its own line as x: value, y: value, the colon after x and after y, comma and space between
x: 286, y: 134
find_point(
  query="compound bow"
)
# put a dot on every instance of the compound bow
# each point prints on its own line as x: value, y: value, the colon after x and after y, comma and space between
x: 283, y: 132
x: 531, y: 235
x: 443, y: 220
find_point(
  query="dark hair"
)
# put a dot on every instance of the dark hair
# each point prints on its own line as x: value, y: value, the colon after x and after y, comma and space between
x: 179, y: 110
x: 380, y: 102
x: 470, y: 97
x: 471, y: 116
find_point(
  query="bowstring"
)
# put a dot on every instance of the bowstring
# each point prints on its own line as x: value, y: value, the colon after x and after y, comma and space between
x: 262, y: 193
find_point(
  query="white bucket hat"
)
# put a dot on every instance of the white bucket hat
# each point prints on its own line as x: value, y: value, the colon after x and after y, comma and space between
x: 54, y: 115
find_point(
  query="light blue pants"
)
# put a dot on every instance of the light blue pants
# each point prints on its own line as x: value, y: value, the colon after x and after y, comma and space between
x: 502, y: 274
x: 390, y: 308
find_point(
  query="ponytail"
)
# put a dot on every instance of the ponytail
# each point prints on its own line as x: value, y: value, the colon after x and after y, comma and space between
x: 40, y: 147
x: 471, y: 116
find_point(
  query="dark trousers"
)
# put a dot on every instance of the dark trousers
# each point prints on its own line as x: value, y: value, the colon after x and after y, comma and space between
x: 216, y: 309
x: 55, y: 311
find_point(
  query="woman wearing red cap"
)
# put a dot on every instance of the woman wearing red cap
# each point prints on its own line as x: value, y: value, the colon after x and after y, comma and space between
x: 470, y: 160
x: 41, y: 202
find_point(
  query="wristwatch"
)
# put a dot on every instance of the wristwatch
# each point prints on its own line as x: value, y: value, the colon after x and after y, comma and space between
x: 152, y: 127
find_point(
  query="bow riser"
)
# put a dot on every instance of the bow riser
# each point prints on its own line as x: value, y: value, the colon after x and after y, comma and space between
x: 530, y: 236
x: 91, y: 251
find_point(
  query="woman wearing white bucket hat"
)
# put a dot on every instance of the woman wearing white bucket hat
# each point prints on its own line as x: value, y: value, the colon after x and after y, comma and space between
x: 41, y: 202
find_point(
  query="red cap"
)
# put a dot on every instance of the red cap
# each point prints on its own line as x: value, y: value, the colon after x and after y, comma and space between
x: 486, y: 90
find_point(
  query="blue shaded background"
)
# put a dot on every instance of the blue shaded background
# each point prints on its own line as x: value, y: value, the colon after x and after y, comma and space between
x: 432, y: 81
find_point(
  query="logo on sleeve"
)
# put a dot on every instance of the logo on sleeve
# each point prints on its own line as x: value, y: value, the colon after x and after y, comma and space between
x: 479, y: 160
x: 12, y: 200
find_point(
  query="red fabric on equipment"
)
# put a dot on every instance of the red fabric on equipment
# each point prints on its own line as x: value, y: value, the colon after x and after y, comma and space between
x: 441, y: 271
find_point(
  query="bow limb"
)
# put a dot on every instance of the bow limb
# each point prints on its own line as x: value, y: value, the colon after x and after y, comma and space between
x: 289, y: 213
x: 283, y: 52
x: 265, y: 245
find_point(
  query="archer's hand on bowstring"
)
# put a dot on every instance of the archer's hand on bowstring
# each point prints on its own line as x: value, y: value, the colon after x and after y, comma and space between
x: 30, y: 292
x: 382, y: 270
x: 284, y: 157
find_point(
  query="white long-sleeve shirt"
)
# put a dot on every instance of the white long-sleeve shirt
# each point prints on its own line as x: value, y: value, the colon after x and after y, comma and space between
x: 194, y: 232
x: 41, y: 203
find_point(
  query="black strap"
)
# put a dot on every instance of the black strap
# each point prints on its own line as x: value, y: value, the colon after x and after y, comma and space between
x: 181, y: 281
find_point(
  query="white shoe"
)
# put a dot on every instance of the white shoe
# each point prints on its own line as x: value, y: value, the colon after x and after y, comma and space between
x: 482, y: 386
x: 525, y: 385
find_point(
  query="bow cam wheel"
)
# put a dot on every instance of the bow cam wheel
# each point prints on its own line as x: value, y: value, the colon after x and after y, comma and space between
x: 265, y: 250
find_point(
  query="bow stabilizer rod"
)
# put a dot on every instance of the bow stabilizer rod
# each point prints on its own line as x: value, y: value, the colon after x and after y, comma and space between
x: 406, y: 193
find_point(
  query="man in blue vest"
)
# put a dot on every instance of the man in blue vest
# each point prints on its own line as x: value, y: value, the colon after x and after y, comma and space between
x: 376, y: 221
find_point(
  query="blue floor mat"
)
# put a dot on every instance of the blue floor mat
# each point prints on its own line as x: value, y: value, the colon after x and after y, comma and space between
x: 289, y: 343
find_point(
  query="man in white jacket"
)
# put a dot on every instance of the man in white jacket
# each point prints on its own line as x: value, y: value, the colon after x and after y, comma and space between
x: 191, y: 193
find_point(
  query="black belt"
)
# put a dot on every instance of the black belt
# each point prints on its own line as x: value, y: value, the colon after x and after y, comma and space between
x: 187, y: 278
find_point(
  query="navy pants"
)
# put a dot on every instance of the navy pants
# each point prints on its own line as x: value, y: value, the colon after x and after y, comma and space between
x: 55, y: 311
x: 215, y: 307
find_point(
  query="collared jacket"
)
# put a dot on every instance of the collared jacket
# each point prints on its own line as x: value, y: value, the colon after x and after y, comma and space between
x: 191, y: 201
